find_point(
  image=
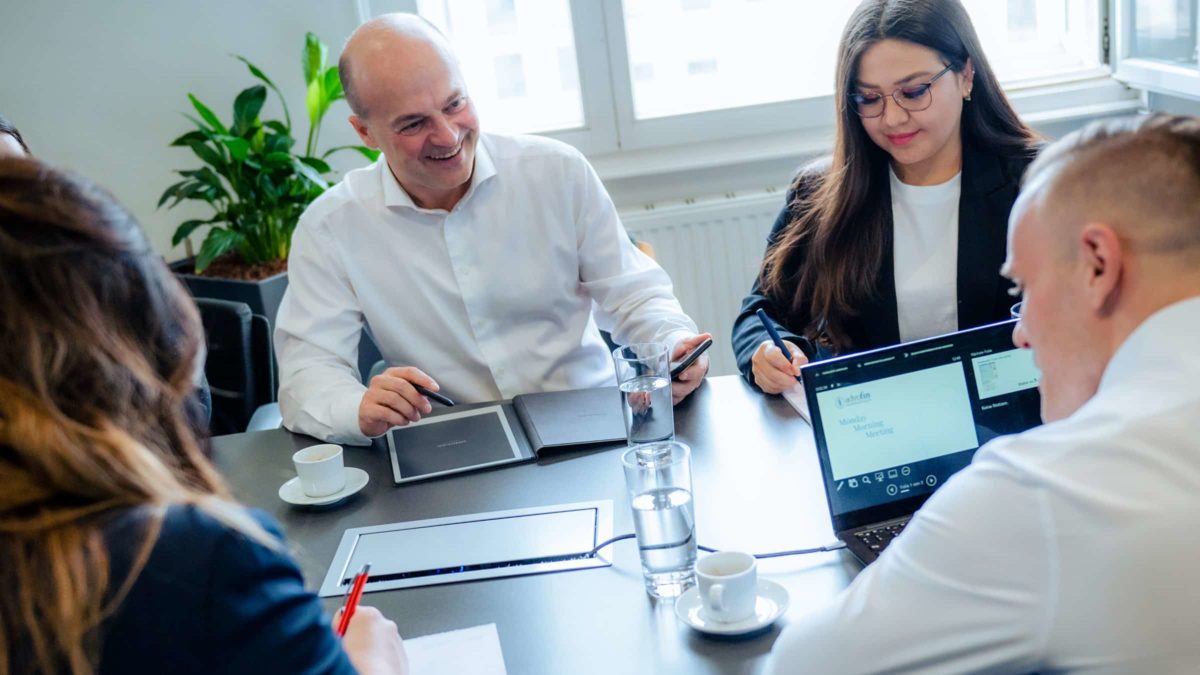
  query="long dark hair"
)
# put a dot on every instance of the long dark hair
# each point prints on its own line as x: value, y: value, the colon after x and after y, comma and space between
x: 841, y: 223
x: 98, y: 345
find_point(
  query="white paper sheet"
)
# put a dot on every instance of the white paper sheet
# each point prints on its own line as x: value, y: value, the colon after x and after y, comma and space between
x: 799, y: 402
x: 470, y: 651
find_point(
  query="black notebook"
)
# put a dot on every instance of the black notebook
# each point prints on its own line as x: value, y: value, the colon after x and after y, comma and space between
x: 479, y: 436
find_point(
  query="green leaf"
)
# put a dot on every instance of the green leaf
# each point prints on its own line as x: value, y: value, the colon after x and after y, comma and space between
x: 239, y: 148
x: 218, y: 241
x: 277, y: 159
x: 170, y: 192
x: 313, y: 58
x: 186, y: 191
x: 317, y: 164
x: 208, y: 177
x: 254, y: 70
x: 312, y: 101
x: 213, y: 122
x: 362, y: 150
x: 278, y: 143
x: 309, y: 173
x: 333, y: 86
x: 209, y: 155
x: 246, y: 107
x: 191, y: 137
x: 278, y: 127
x: 185, y: 230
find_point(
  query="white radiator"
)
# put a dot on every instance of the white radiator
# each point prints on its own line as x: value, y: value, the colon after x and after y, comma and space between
x: 712, y: 248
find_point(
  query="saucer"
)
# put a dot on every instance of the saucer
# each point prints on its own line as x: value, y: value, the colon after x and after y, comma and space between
x: 771, y: 603
x: 291, y: 492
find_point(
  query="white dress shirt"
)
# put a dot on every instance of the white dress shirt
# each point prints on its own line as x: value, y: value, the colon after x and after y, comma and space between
x: 925, y: 253
x: 491, y: 299
x: 1069, y: 548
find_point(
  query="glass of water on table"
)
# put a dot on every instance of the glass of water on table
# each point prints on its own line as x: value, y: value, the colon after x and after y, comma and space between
x: 644, y: 378
x: 658, y: 477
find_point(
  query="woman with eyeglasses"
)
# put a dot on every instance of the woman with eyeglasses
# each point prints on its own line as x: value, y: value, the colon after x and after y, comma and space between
x: 901, y: 233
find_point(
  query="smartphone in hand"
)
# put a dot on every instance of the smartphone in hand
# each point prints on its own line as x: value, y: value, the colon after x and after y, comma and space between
x: 678, y: 367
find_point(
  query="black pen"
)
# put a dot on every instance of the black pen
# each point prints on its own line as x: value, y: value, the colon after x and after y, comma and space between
x: 770, y: 326
x: 444, y: 400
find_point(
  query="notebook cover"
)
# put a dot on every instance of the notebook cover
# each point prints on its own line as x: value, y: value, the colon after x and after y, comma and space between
x: 457, y: 440
x: 573, y: 418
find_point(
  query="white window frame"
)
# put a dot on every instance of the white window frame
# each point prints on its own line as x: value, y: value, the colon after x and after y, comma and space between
x: 1144, y: 73
x: 622, y: 146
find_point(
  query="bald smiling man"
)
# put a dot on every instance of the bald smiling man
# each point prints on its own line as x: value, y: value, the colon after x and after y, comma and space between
x: 475, y: 260
x: 1070, y: 548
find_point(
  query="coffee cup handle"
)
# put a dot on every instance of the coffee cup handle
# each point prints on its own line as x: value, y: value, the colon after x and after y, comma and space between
x: 716, y: 597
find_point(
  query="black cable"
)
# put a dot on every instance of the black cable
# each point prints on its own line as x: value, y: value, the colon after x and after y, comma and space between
x: 777, y: 554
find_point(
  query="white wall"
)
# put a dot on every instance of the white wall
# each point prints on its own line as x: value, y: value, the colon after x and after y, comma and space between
x: 99, y: 86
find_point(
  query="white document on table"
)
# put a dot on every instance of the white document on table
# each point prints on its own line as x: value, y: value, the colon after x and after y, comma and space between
x: 470, y: 651
x: 799, y: 402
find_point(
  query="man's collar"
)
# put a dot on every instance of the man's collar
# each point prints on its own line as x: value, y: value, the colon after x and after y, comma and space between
x: 395, y: 195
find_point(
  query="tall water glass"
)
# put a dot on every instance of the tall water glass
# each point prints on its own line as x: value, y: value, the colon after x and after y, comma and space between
x: 644, y: 377
x: 658, y: 477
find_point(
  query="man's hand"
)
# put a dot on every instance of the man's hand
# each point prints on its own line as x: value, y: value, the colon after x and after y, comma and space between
x: 373, y: 643
x: 690, y: 378
x: 772, y: 371
x: 392, y: 400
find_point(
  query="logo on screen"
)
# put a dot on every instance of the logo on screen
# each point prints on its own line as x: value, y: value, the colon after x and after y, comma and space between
x: 852, y: 399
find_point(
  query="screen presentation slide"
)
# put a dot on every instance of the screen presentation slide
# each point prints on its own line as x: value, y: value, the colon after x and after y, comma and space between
x: 1005, y: 372
x: 897, y: 420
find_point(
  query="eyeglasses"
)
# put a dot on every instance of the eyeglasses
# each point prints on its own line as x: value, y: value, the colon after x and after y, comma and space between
x: 1015, y: 310
x: 913, y: 99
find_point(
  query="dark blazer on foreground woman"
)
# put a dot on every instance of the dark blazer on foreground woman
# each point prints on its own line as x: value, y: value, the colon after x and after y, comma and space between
x: 209, y: 600
x: 990, y: 184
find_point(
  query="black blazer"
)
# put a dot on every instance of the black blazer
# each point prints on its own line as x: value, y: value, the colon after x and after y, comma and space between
x: 989, y: 187
x: 209, y: 600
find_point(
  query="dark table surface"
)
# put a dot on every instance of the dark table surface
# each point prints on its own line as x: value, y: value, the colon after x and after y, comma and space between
x: 757, y: 488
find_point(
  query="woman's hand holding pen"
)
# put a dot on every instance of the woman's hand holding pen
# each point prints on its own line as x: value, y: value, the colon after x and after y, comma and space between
x: 773, y: 373
x: 373, y: 643
x: 392, y: 400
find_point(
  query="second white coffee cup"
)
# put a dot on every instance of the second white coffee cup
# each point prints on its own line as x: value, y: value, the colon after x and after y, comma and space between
x: 728, y: 585
x: 321, y: 469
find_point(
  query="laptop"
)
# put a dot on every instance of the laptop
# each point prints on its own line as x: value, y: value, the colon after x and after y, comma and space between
x: 892, y: 424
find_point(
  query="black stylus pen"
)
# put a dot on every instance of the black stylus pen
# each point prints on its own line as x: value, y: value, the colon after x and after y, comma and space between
x: 444, y: 400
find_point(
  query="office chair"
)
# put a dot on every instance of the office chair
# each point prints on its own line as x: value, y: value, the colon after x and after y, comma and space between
x: 240, y: 365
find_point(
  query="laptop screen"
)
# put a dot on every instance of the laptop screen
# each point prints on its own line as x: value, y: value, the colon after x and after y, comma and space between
x: 893, y: 424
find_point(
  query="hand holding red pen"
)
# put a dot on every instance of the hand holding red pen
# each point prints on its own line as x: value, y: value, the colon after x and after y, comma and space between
x: 373, y: 643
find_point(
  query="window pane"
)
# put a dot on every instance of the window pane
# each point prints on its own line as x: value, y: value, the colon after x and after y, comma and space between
x: 1033, y: 39
x: 736, y: 53
x: 518, y: 57
x: 729, y: 53
x: 1164, y: 30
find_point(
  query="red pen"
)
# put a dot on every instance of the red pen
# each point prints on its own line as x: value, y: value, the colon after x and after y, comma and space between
x: 352, y: 598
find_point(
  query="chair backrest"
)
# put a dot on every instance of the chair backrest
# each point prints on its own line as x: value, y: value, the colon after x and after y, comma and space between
x: 240, y: 366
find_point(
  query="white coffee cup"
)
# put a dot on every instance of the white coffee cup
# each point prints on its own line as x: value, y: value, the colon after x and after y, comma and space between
x: 321, y: 469
x: 728, y: 585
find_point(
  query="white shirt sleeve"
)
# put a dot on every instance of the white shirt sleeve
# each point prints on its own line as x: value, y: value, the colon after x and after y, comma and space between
x: 966, y: 588
x: 633, y: 294
x: 317, y: 332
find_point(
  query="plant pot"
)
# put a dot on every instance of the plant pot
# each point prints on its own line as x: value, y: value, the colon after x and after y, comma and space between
x: 263, y: 297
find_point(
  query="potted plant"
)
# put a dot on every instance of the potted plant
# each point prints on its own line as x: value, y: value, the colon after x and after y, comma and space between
x: 257, y: 183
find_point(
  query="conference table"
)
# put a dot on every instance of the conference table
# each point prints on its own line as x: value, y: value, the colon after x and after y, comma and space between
x: 757, y: 488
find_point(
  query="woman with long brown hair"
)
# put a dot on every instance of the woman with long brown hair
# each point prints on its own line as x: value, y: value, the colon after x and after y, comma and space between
x: 121, y: 551
x: 900, y: 234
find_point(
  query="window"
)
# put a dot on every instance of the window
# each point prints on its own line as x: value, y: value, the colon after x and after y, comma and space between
x: 1156, y: 46
x: 518, y: 57
x: 616, y: 75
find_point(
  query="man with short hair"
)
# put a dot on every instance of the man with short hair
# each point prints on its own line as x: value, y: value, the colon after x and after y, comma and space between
x: 1070, y: 547
x: 472, y: 258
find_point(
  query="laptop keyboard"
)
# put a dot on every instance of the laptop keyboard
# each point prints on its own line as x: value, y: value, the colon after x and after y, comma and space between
x: 878, y: 538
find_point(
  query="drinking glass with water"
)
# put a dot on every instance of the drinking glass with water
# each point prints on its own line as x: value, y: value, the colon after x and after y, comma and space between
x: 644, y: 377
x: 658, y: 477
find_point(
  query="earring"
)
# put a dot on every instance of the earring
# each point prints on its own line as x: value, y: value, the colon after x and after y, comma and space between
x: 967, y: 97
